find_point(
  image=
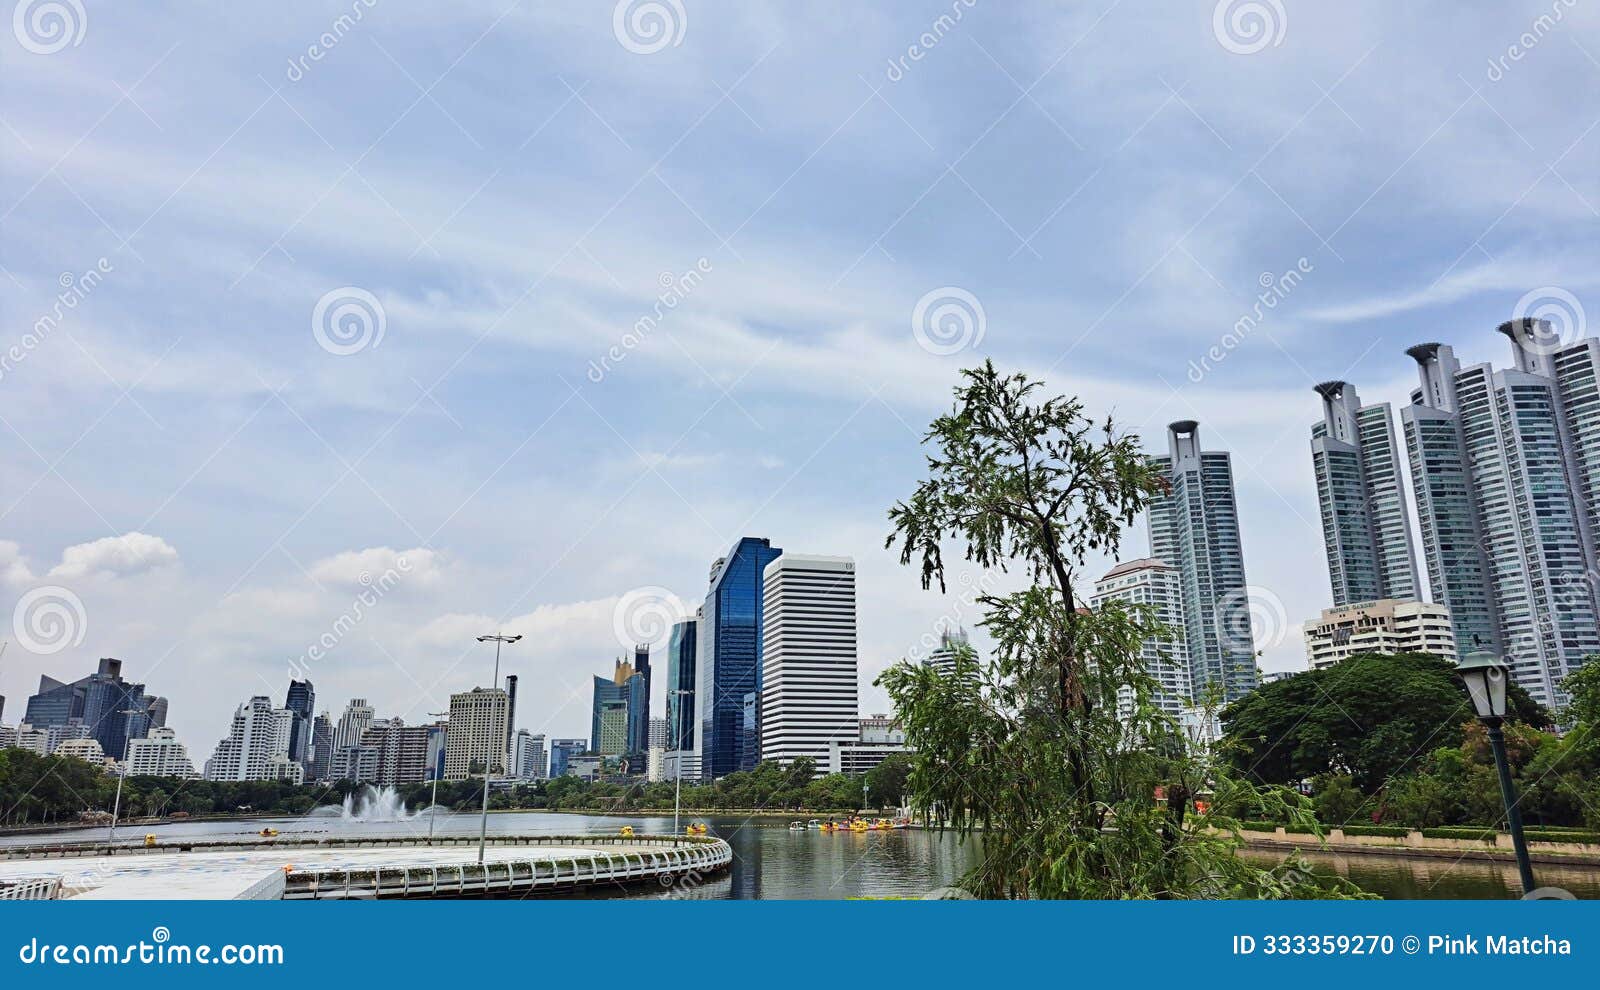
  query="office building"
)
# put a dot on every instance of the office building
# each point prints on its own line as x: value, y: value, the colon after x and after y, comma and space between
x: 401, y: 753
x: 879, y: 737
x: 1506, y: 469
x: 114, y: 710
x: 680, y: 677
x: 477, y: 735
x: 1383, y: 626
x: 611, y: 713
x: 160, y: 755
x: 562, y: 751
x: 808, y: 697
x: 658, y: 734
x: 1366, y: 528
x: 728, y: 664
x: 354, y: 723
x: 251, y: 742
x: 300, y: 702
x: 528, y: 758
x: 1156, y: 585
x: 321, y: 747
x: 639, y: 706
x: 1194, y: 527
x: 942, y: 658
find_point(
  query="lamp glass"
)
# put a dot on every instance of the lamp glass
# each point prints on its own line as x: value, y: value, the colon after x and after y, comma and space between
x: 1486, y: 679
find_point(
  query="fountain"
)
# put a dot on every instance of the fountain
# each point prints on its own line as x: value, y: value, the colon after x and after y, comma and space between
x: 370, y: 804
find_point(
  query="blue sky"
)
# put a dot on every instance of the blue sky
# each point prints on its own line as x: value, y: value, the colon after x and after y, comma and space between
x: 513, y: 182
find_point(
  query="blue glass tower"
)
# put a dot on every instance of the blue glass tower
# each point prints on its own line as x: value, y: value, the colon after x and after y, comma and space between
x: 680, y: 677
x: 729, y: 665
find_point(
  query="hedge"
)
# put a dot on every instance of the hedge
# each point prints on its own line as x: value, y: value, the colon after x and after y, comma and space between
x: 1259, y: 826
x: 1387, y: 831
x: 1461, y: 832
x: 1537, y: 835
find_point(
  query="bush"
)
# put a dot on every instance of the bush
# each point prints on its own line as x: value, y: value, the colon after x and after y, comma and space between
x: 1461, y: 832
x: 1540, y: 835
x: 1387, y: 831
x: 1259, y: 826
x: 1301, y: 829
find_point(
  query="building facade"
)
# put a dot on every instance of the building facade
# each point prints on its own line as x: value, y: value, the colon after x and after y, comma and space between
x: 1383, y: 626
x: 561, y: 753
x: 1156, y: 585
x: 529, y: 759
x: 809, y: 670
x: 1194, y: 527
x: 475, y: 742
x: 680, y: 677
x: 249, y: 745
x: 1366, y: 528
x: 301, y: 703
x: 728, y: 665
x: 160, y: 755
x: 113, y: 709
x: 1506, y: 466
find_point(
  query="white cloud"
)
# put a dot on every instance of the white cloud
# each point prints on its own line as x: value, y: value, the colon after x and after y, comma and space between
x: 362, y: 567
x: 113, y: 556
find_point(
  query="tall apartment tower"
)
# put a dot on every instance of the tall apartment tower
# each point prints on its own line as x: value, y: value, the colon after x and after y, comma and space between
x: 252, y: 738
x: 808, y: 698
x: 1195, y: 528
x: 1506, y: 469
x: 1366, y: 528
x: 1155, y: 584
x: 301, y: 700
x: 728, y: 665
x: 354, y: 723
x: 476, y: 739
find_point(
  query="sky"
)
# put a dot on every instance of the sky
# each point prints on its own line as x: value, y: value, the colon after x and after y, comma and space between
x: 323, y: 319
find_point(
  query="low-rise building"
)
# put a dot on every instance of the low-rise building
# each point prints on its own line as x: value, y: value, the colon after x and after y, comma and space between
x: 1383, y: 626
x: 160, y: 755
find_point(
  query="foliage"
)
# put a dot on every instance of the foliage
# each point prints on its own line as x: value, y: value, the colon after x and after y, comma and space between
x: 1337, y: 799
x: 1052, y: 749
x: 1370, y: 717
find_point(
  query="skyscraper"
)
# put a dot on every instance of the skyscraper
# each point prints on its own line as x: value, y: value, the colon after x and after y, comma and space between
x: 511, y: 707
x: 1366, y: 529
x: 321, y: 747
x: 1506, y: 467
x: 476, y: 739
x: 680, y: 677
x: 808, y: 694
x: 728, y: 666
x: 942, y: 658
x: 1195, y: 528
x: 639, y: 704
x: 245, y: 752
x: 301, y: 703
x: 1155, y: 584
x: 101, y: 701
x: 528, y: 757
x: 354, y: 723
x: 613, y: 714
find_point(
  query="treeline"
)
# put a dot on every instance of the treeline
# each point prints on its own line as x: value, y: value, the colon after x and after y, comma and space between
x: 769, y: 786
x: 1392, y: 740
x: 43, y: 790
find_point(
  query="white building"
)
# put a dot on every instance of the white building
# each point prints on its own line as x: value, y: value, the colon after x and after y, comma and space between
x: 160, y: 755
x: 353, y: 724
x: 87, y: 750
x: 685, y: 762
x: 478, y: 732
x: 942, y: 658
x: 808, y: 657
x: 250, y: 742
x: 529, y: 759
x: 8, y: 736
x: 655, y: 764
x: 1155, y: 584
x: 35, y: 740
x: 1383, y: 626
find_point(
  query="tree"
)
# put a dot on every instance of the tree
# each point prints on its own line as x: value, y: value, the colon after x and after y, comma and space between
x: 1371, y: 717
x: 1053, y: 749
x: 886, y: 782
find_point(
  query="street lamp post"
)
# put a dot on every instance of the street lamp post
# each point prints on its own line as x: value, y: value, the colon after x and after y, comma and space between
x: 677, y: 790
x: 1486, y: 678
x: 116, y: 806
x: 483, y: 825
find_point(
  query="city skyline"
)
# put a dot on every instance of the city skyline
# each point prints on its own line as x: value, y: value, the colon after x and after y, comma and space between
x: 211, y: 483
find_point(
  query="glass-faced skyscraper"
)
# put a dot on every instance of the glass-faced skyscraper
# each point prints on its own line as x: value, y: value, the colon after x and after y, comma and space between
x: 729, y: 662
x: 680, y: 677
x: 1506, y: 465
x: 1366, y: 529
x: 1195, y: 528
x: 302, y: 701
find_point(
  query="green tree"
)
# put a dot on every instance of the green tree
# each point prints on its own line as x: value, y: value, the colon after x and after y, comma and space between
x: 1033, y: 750
x: 886, y: 782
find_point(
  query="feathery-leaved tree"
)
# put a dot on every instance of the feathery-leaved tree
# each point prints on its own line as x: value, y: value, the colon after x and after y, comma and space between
x: 1054, y: 748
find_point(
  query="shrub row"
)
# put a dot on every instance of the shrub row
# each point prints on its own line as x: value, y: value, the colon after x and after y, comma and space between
x: 1541, y: 835
x: 1461, y: 832
x: 1388, y: 831
x: 1259, y: 826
